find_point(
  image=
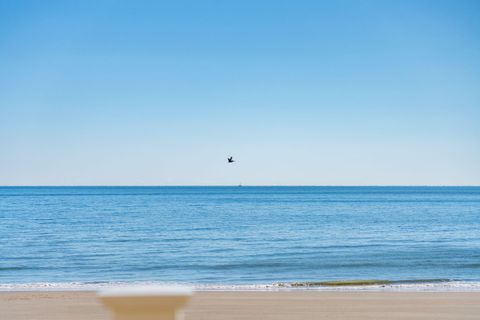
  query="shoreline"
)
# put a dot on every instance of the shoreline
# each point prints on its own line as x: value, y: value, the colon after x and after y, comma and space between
x: 328, y: 286
x: 278, y: 305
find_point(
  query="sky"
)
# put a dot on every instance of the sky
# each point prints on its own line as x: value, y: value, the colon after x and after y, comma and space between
x: 341, y: 92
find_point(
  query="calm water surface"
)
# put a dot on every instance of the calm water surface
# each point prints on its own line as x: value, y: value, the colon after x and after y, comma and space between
x: 238, y: 235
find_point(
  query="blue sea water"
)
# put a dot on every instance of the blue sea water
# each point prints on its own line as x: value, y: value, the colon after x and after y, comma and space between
x: 238, y: 235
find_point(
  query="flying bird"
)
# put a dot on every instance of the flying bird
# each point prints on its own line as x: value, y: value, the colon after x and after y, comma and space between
x: 230, y: 160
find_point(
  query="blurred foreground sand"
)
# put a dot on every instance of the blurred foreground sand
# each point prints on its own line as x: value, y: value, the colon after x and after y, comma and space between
x: 259, y: 305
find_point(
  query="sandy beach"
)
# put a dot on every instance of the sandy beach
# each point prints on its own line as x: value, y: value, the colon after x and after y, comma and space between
x: 260, y: 305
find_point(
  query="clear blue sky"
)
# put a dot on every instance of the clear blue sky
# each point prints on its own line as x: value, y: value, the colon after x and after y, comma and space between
x: 299, y: 92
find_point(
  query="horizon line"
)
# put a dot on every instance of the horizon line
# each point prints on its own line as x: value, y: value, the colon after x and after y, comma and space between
x: 239, y: 185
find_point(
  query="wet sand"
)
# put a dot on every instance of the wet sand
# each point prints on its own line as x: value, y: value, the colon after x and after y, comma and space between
x: 238, y: 305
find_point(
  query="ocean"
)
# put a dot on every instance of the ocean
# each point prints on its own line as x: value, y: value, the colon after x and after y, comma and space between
x: 240, y: 237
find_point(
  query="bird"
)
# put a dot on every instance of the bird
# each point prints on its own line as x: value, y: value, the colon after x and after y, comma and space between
x: 230, y: 160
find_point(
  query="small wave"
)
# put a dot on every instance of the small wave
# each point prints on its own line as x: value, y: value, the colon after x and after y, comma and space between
x: 360, y: 282
x: 12, y: 268
x: 471, y: 265
x: 422, y: 281
x: 338, y: 283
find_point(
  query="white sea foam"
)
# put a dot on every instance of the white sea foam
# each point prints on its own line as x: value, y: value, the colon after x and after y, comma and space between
x: 450, y: 286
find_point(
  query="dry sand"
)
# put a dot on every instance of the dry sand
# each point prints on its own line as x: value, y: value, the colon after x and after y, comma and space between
x: 259, y: 305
